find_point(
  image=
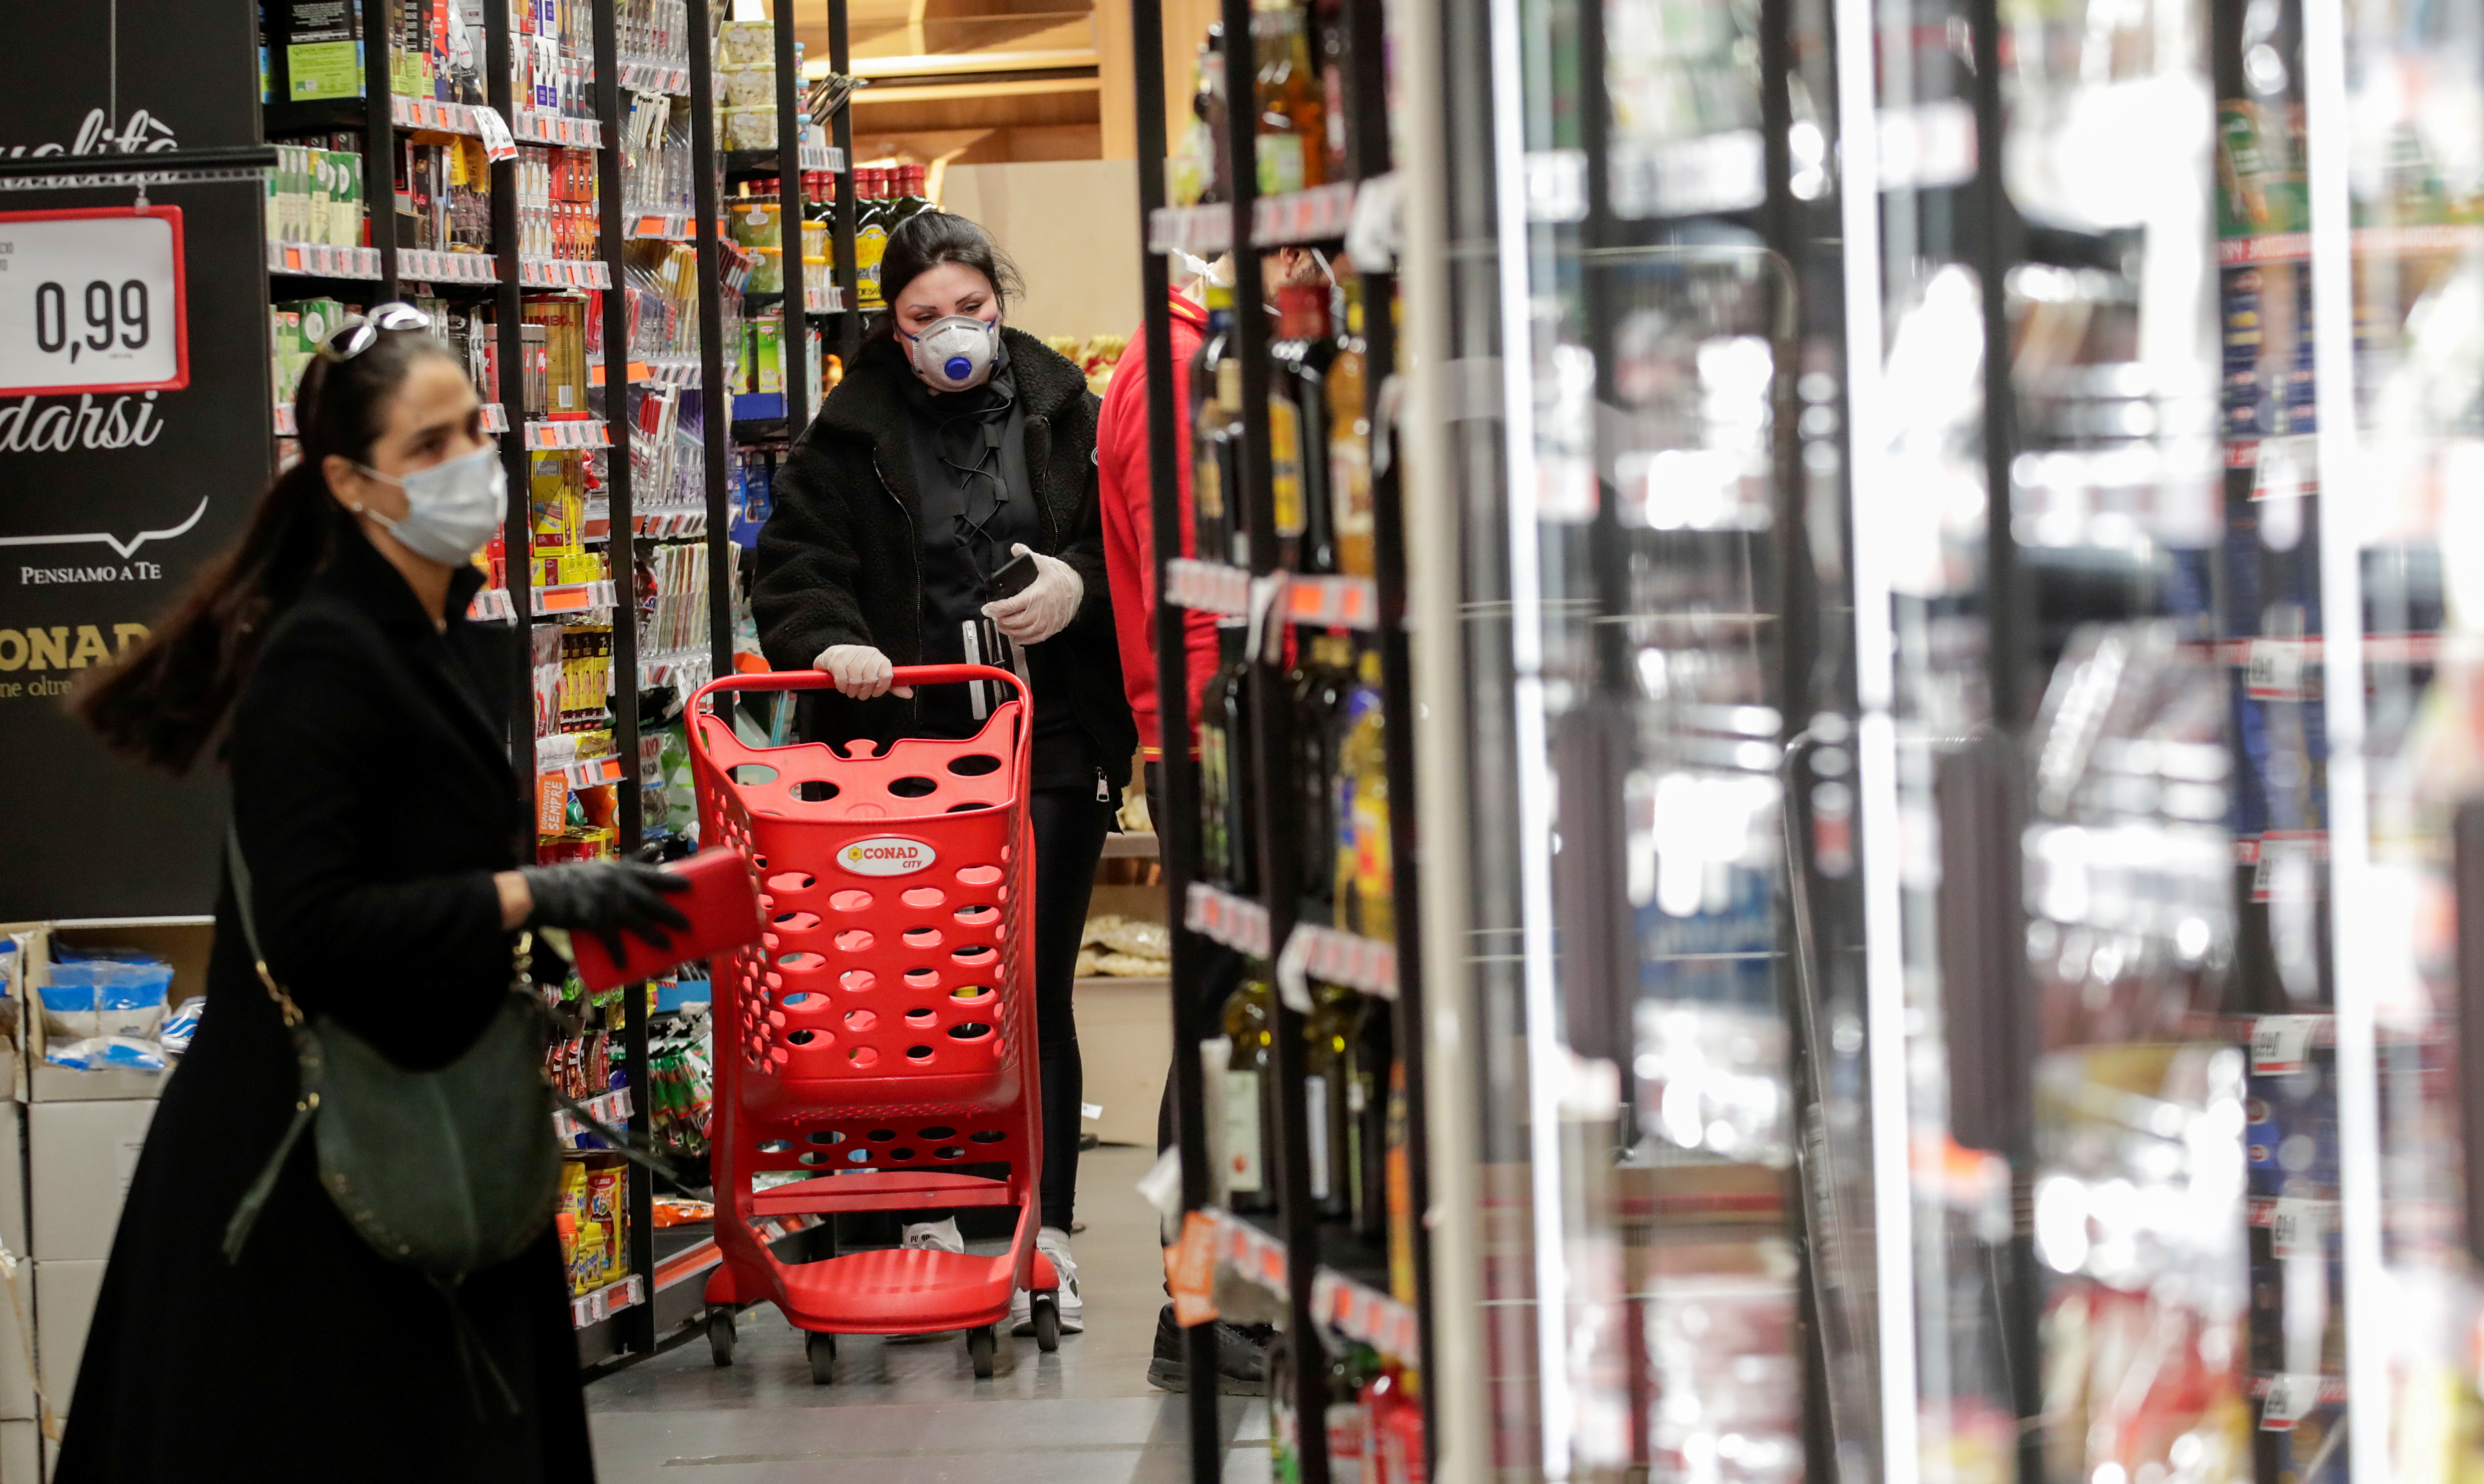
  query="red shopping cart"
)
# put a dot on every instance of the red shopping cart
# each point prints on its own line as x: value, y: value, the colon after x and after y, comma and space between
x: 879, y: 1040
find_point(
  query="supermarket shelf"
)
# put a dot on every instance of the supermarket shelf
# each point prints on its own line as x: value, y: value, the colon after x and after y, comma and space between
x: 2294, y: 247
x: 1353, y: 1308
x: 594, y: 773
x: 1320, y: 214
x: 428, y: 265
x: 756, y: 164
x: 495, y: 418
x: 667, y: 371
x: 572, y: 598
x: 612, y: 1110
x: 694, y: 1261
x: 684, y: 669
x: 1317, y: 602
x: 318, y: 259
x: 1332, y: 602
x: 544, y: 437
x: 597, y: 1305
x: 1361, y: 1313
x: 437, y: 117
x: 564, y: 273
x: 663, y: 228
x: 493, y: 603
x: 540, y: 126
x: 1336, y: 958
x: 656, y: 77
x: 671, y: 525
x: 1220, y: 916
x: 1207, y: 587
x: 1137, y: 845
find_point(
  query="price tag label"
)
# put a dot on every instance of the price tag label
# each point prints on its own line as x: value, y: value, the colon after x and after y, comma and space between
x: 2296, y: 1227
x: 2276, y: 671
x: 92, y: 301
x: 1190, y: 1270
x: 498, y: 144
x: 2290, y: 1399
x: 2281, y: 1044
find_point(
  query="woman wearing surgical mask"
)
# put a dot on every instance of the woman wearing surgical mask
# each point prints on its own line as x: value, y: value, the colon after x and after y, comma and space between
x: 953, y: 447
x: 328, y: 660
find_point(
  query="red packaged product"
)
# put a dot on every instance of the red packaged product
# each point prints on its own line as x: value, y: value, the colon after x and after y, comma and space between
x: 722, y: 904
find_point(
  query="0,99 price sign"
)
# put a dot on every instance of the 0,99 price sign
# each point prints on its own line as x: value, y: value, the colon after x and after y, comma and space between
x: 92, y: 301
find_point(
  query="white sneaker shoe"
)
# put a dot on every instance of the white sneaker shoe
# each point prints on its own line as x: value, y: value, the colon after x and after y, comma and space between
x: 1054, y: 1244
x: 939, y: 1236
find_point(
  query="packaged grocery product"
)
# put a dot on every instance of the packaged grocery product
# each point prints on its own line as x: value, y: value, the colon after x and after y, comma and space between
x: 744, y: 44
x: 104, y: 992
x: 99, y: 1053
x: 180, y: 1025
x: 750, y: 86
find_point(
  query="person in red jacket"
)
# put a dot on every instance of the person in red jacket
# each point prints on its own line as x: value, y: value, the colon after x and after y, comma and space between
x: 1127, y: 492
x: 1128, y: 495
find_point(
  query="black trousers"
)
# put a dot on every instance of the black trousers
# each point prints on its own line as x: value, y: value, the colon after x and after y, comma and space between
x: 1069, y: 828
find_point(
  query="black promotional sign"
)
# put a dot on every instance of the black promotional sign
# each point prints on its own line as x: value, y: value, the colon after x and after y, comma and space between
x: 136, y: 458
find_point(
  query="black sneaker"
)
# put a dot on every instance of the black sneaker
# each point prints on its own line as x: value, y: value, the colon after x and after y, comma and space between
x: 1241, y: 1358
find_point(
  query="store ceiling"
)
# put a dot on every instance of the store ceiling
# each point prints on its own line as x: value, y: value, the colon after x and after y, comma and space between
x: 971, y: 81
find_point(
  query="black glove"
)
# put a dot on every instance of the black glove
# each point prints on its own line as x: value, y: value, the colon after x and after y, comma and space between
x: 603, y: 897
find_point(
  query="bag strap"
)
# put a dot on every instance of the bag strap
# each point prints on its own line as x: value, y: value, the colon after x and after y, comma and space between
x: 238, y: 1231
x: 239, y: 868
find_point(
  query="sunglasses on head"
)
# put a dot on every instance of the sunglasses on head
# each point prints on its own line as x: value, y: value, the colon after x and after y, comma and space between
x: 351, y: 339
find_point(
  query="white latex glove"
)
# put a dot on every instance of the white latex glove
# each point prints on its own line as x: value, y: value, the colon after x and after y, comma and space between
x: 859, y: 670
x: 1047, y: 604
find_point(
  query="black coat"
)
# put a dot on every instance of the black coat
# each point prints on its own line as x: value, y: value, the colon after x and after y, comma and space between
x: 374, y: 798
x: 840, y: 560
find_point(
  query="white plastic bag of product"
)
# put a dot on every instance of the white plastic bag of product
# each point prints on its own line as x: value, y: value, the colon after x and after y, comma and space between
x: 180, y: 1025
x: 108, y: 1053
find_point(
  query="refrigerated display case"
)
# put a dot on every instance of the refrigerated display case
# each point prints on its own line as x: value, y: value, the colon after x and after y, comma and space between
x: 1963, y: 723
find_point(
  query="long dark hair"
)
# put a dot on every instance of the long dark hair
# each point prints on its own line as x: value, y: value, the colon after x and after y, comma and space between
x: 166, y: 698
x: 926, y: 240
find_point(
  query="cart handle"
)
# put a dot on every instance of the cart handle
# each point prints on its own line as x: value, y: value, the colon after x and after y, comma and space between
x: 818, y: 680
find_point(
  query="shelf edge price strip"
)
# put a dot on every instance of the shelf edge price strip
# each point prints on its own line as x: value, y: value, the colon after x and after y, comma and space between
x: 1251, y: 1253
x: 579, y: 433
x: 1358, y: 1312
x: 1332, y: 602
x: 601, y: 1303
x: 610, y: 1110
x: 1236, y: 922
x: 1337, y: 957
x: 1208, y: 587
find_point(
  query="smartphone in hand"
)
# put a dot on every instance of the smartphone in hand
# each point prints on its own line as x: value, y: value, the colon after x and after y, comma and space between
x: 1016, y: 576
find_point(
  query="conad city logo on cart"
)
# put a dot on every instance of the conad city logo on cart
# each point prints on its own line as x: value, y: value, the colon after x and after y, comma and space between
x: 886, y: 855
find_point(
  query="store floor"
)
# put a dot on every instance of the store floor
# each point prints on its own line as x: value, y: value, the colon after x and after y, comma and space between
x: 912, y: 1412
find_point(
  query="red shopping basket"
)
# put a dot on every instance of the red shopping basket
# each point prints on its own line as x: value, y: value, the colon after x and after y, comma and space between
x: 880, y: 1039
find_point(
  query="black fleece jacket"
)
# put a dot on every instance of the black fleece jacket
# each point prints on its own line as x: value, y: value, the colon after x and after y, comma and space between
x: 840, y: 560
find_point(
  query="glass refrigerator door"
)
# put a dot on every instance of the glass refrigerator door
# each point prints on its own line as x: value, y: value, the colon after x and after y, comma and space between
x: 2393, y: 168
x: 1626, y: 536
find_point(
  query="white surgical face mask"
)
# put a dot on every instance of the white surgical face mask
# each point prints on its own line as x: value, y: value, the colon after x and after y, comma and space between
x: 451, y: 508
x: 955, y: 354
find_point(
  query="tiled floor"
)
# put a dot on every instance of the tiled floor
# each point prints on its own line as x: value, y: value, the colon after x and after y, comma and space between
x: 912, y: 1412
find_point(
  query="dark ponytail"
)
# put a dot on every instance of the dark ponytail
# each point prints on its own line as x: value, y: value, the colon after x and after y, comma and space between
x: 165, y: 699
x: 928, y: 239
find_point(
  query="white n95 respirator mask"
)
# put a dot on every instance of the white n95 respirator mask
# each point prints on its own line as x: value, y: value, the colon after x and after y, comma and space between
x: 451, y: 508
x: 956, y: 353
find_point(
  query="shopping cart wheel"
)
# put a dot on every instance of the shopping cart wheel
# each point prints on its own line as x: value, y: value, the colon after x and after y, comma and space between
x: 1046, y: 1309
x: 822, y: 1351
x: 719, y: 1334
x: 980, y: 1346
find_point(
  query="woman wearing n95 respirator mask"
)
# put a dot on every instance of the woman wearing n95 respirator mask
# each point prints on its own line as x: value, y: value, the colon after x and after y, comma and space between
x: 953, y: 445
